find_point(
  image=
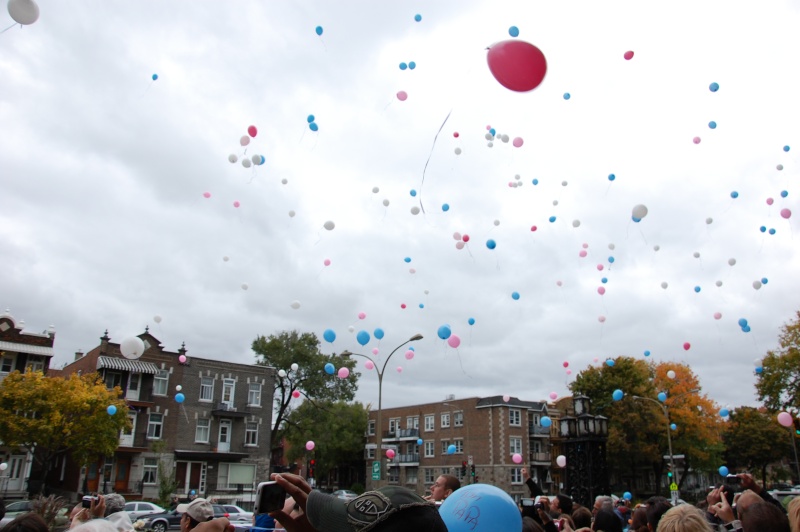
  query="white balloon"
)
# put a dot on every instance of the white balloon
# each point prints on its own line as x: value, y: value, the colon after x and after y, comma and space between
x: 157, y: 319
x: 284, y: 181
x: 458, y: 151
x: 281, y: 373
x: 329, y: 225
x: 517, y: 177
x: 561, y: 460
x: 244, y: 286
x: 456, y: 236
x: 132, y: 347
x: 490, y: 144
x: 386, y: 203
x: 245, y: 140
x: 375, y: 190
x: 564, y: 183
x: 295, y: 367
x: 459, y: 245
x: 351, y: 328
x: 23, y: 11
x: 295, y: 304
x: 415, y: 210
x: 731, y: 261
x: 233, y: 158
x: 576, y: 223
x: 709, y: 221
x: 178, y: 388
x: 504, y: 138
x: 718, y: 283
x: 496, y: 223
x: 671, y: 374
x: 3, y: 466
x: 246, y: 163
x: 488, y: 136
x: 639, y: 211
x: 291, y: 214
x: 555, y: 202
x: 611, y: 247
x: 256, y: 159
x: 756, y: 284
x: 664, y: 285
x: 427, y: 292
x: 226, y: 258
x: 656, y: 247
x: 696, y: 254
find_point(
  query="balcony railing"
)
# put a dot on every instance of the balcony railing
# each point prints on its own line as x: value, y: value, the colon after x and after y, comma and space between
x: 229, y: 410
x: 406, y: 458
x: 540, y: 457
x: 538, y: 430
x: 401, y: 434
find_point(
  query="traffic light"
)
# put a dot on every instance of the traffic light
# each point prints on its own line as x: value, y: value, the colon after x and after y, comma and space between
x: 311, y: 465
x: 464, y: 468
x: 669, y: 472
x: 472, y: 469
x: 797, y: 426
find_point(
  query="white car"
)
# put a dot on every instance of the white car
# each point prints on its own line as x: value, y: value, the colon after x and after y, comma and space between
x: 137, y: 509
x: 345, y: 495
x: 236, y: 514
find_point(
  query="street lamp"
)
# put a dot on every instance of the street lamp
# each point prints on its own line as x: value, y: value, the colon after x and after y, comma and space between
x: 379, y: 432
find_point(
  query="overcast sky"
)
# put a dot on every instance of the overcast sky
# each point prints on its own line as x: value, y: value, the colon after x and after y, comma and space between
x: 103, y: 171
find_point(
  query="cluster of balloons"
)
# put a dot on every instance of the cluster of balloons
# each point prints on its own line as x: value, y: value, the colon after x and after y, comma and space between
x: 744, y: 325
x: 247, y: 162
x: 461, y: 240
x: 312, y: 123
x: 411, y: 65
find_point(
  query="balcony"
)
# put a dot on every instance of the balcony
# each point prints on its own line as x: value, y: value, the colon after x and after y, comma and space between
x: 542, y: 458
x: 538, y: 430
x: 228, y: 410
x: 401, y: 434
x: 404, y: 460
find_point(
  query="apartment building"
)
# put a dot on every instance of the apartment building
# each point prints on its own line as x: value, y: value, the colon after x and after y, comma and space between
x: 485, y: 432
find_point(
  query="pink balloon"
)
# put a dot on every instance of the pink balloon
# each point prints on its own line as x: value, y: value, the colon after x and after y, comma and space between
x: 569, y: 372
x: 687, y: 346
x: 402, y: 305
x: 770, y: 201
x: 517, y: 142
x: 786, y: 213
x: 510, y: 184
x: 559, y: 283
x: 410, y: 353
x: 628, y: 55
x: 399, y: 369
x: 310, y: 445
x: 390, y: 453
x: 369, y: 365
x: 601, y: 290
x: 456, y: 236
x: 182, y: 359
x: 553, y: 396
x: 600, y: 267
x: 584, y: 245
x: 459, y: 245
x: 533, y: 228
x: 453, y: 341
x: 465, y: 238
x: 402, y: 96
x: 362, y: 315
x: 327, y: 262
x: 236, y: 204
x: 252, y: 131
x: 601, y: 319
x: 565, y: 364
x: 506, y: 398
x: 375, y: 351
x: 343, y: 373
x: 516, y: 458
x: 696, y: 140
x: 582, y: 253
x: 244, y: 141
x: 296, y: 394
x: 206, y: 195
x: 785, y: 419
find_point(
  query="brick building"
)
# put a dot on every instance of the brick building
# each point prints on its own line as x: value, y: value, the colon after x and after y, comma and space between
x: 215, y: 442
x: 487, y: 431
x: 20, y: 349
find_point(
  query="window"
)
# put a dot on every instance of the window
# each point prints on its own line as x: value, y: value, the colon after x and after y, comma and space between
x: 514, y: 418
x: 412, y: 422
x: 130, y: 506
x: 228, y: 386
x: 445, y: 421
x: 515, y: 445
x: 251, y: 434
x: 429, y: 476
x: 35, y: 363
x: 445, y: 445
x: 235, y: 476
x: 394, y: 474
x: 112, y: 379
x: 161, y: 382
x: 371, y: 453
x: 516, y: 475
x: 150, y: 471
x: 459, y: 446
x: 394, y: 424
x: 371, y: 428
x: 445, y: 471
x: 6, y: 364
x: 202, y: 431
x: 536, y: 446
x: 429, y: 453
x: 206, y: 388
x: 458, y: 419
x: 411, y: 475
x: 411, y: 448
x: 154, y: 424
x: 254, y: 394
x: 429, y: 423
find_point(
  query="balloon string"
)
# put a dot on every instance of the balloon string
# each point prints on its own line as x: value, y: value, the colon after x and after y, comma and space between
x: 8, y: 28
x: 425, y: 169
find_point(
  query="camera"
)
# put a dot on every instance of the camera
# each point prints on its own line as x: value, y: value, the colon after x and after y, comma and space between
x: 733, y: 479
x: 538, y: 506
x: 527, y: 502
x: 86, y: 502
x: 269, y: 497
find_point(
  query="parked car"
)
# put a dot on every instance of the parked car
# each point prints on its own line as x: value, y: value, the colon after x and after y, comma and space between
x: 345, y: 495
x: 14, y: 509
x: 138, y: 509
x: 171, y: 520
x: 237, y: 514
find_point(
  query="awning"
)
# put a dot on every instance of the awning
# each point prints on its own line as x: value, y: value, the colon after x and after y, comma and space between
x: 123, y: 364
x: 24, y: 348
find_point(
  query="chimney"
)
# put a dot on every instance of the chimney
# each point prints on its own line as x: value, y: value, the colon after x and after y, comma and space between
x: 78, y: 354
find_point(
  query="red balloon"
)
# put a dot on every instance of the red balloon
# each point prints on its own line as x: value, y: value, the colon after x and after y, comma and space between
x: 455, y: 134
x: 465, y: 238
x: 252, y: 131
x: 517, y: 65
x: 628, y: 55
x: 687, y: 345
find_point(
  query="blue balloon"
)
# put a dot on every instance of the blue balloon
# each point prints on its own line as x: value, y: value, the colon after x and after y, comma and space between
x: 610, y: 362
x: 313, y: 126
x: 491, y: 244
x: 329, y: 368
x: 647, y: 353
x: 604, y: 280
x: 329, y: 335
x: 611, y: 177
x: 480, y: 508
x: 412, y: 65
x: 552, y: 219
x: 403, y: 66
x: 111, y: 410
x: 712, y: 125
x: 318, y: 29
x: 419, y: 441
x: 155, y: 77
x: 723, y: 471
x: 421, y: 305
x: 417, y: 17
x: 362, y: 337
x: 635, y: 219
x: 515, y: 295
x: 784, y: 193
x: 617, y: 395
x: 535, y: 181
x: 378, y: 333
x: 451, y: 449
x: 179, y: 397
x: 567, y: 96
x: 714, y: 87
x: 444, y: 332
x: 662, y: 396
x: 445, y: 207
x: 627, y: 496
x: 734, y: 194
x: 263, y: 159
x: 471, y: 321
x: 492, y: 131
x: 545, y: 421
x: 413, y: 193
x: 673, y: 426
x: 513, y: 31
x: 193, y: 492
x: 763, y: 228
x: 407, y: 259
x: 723, y: 412
x: 786, y: 148
x: 759, y: 370
x: 611, y: 260
x: 697, y: 289
x: 411, y: 348
x: 310, y: 118
x: 764, y: 280
x: 771, y: 231
x: 746, y: 329
x: 742, y: 322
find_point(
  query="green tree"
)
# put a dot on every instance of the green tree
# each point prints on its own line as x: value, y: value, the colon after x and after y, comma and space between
x: 754, y: 440
x: 59, y: 415
x: 310, y: 380
x: 337, y: 430
x: 778, y: 385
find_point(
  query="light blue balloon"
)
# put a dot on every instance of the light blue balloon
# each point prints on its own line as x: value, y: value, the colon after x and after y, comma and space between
x: 617, y: 395
x: 763, y: 228
x: 662, y: 396
x: 697, y: 289
x: 329, y: 335
x: 784, y: 193
x: 444, y: 332
x: 362, y: 337
x: 611, y: 177
x: 403, y: 66
x: 552, y: 219
x: 412, y: 65
x: 535, y: 181
x: 471, y: 321
x: 419, y: 441
x: 407, y: 260
x: 604, y: 280
x: 734, y: 194
x: 746, y: 329
x: 786, y: 148
x: 647, y: 353
x: 610, y: 362
x: 491, y: 244
x: 764, y: 280
x: 759, y: 370
x: 712, y: 125
x: 515, y: 296
x: 492, y: 131
x: 329, y: 368
x: 313, y: 126
x: 378, y: 333
x: 179, y: 398
x: 310, y: 118
x: 714, y: 87
x: 635, y: 219
x: 417, y: 17
x: 772, y: 231
x: 567, y: 96
x: 673, y: 426
x: 723, y: 471
x: 445, y: 207
x: 421, y: 305
x: 480, y: 508
x: 451, y: 449
x: 155, y: 77
x: 723, y: 412
x: 111, y: 410
x: 545, y: 421
x: 742, y: 322
x: 513, y: 31
x: 627, y: 496
x: 318, y: 29
x: 413, y: 193
x: 611, y: 260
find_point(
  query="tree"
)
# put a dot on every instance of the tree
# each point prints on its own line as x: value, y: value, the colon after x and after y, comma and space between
x: 754, y: 440
x: 59, y: 415
x: 310, y: 380
x: 337, y: 430
x: 778, y: 385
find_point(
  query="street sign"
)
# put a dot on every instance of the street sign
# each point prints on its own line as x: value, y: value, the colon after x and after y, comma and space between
x: 376, y: 470
x: 469, y: 460
x: 674, y: 494
x: 672, y: 487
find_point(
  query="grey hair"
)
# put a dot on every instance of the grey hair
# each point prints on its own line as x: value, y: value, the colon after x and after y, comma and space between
x: 114, y: 503
x: 606, y: 502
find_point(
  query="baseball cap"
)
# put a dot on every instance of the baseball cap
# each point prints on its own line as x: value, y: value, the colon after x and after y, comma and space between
x: 199, y: 509
x: 388, y: 509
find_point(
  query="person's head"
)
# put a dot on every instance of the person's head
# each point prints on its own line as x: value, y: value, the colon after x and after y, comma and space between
x: 684, y: 518
x: 582, y: 517
x: 746, y: 499
x: 114, y: 503
x: 196, y: 512
x: 562, y: 503
x: 656, y: 507
x: 764, y: 516
x: 388, y: 509
x: 639, y: 519
x: 607, y: 521
x: 602, y: 502
x: 29, y: 522
x: 444, y: 486
x: 793, y: 509
x: 529, y: 525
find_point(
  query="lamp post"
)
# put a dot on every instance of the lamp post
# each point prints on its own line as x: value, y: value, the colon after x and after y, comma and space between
x: 379, y: 432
